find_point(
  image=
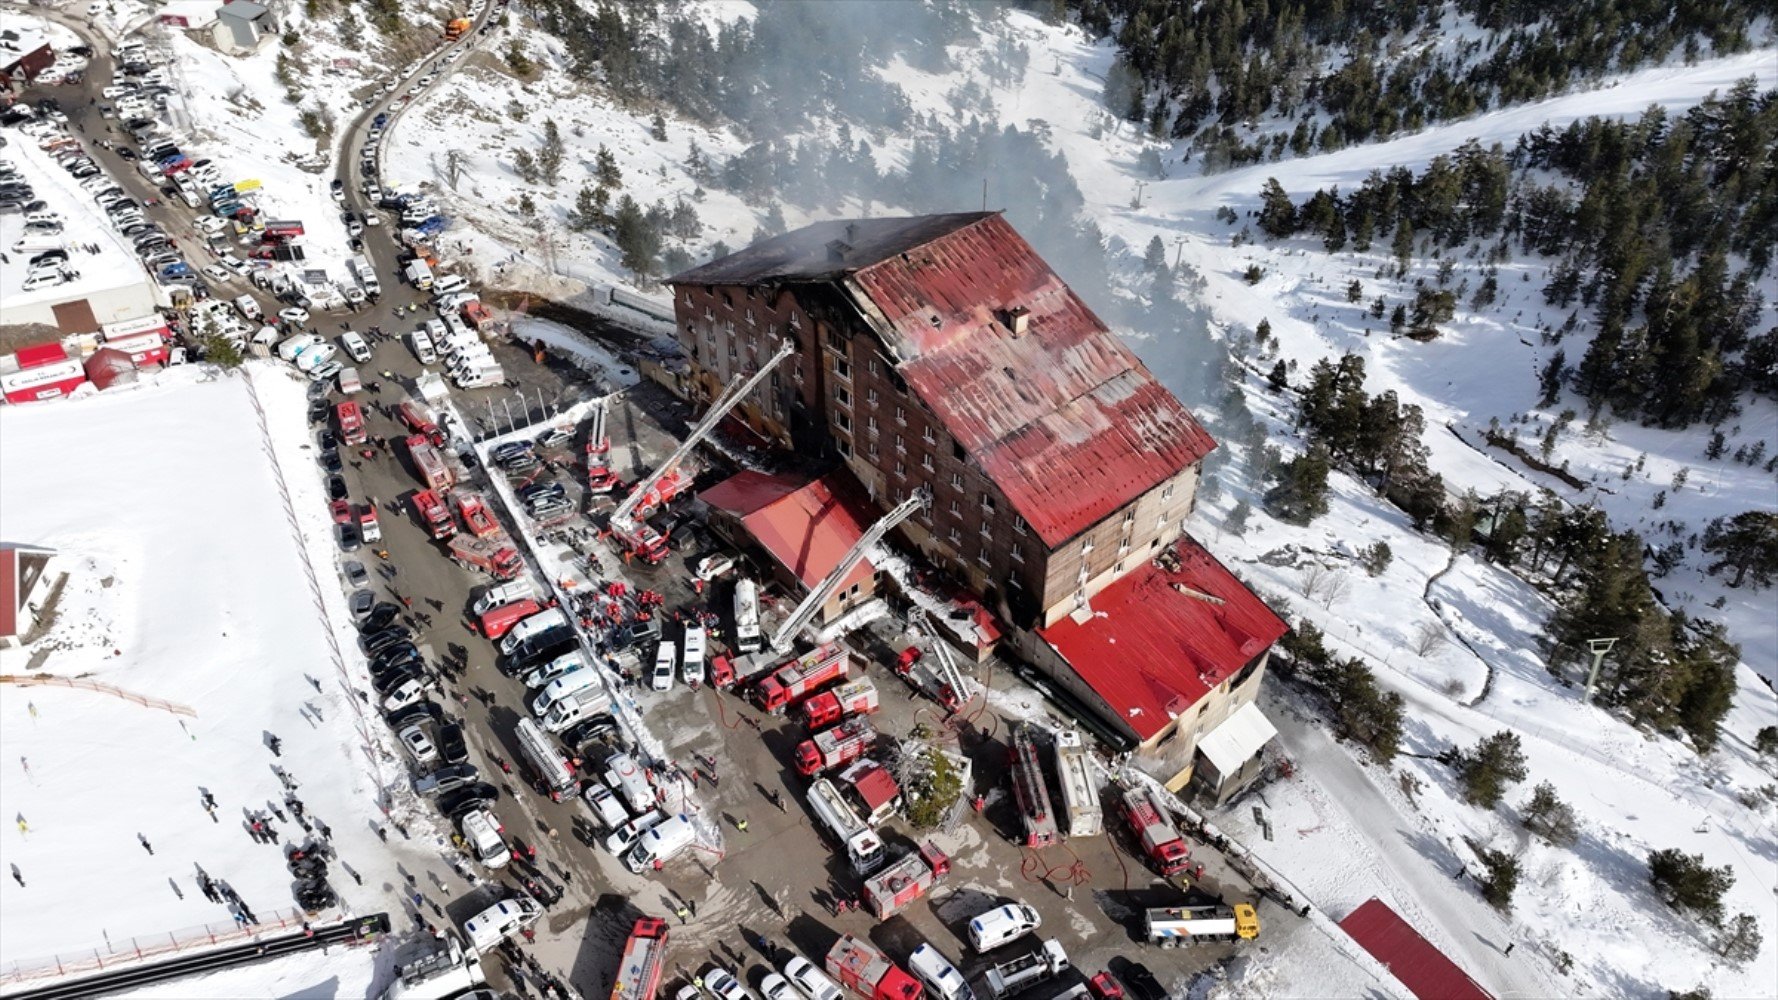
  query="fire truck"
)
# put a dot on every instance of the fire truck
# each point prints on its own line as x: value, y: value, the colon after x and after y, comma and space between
x: 351, y: 421
x: 1080, y: 793
x: 368, y: 527
x: 476, y: 516
x: 1173, y: 926
x: 429, y: 464
x: 493, y: 556
x: 434, y: 514
x: 896, y: 887
x: 639, y: 971
x: 1026, y: 971
x: 420, y: 420
x: 599, y: 477
x: 868, y: 972
x: 1030, y: 789
x: 864, y: 849
x: 855, y: 697
x: 1160, y: 840
x: 803, y: 676
x: 830, y: 748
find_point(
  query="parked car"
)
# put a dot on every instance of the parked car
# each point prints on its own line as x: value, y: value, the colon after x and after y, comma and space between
x: 446, y: 779
x: 418, y: 744
x: 356, y: 575
x: 451, y: 744
x: 598, y: 727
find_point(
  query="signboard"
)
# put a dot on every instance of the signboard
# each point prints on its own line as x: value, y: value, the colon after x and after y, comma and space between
x: 129, y: 327
x: 43, y: 382
x: 284, y: 227
x: 250, y: 184
x: 143, y: 348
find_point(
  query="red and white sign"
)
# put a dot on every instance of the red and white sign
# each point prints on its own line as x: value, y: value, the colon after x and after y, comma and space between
x: 142, y: 324
x: 284, y: 228
x: 42, y: 382
x: 143, y: 348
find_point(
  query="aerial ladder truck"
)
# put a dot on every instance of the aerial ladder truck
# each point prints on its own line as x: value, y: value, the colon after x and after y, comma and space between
x: 629, y: 523
x: 599, y: 477
x: 818, y: 595
x: 941, y: 680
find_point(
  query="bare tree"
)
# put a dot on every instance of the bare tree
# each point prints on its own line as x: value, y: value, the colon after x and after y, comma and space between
x: 1316, y: 580
x: 453, y: 166
x: 1429, y: 638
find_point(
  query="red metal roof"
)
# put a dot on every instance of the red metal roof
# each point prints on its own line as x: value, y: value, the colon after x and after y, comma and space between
x: 876, y: 786
x: 807, y: 527
x: 1154, y: 645
x: 1063, y: 417
x: 9, y: 593
x: 1423, y: 969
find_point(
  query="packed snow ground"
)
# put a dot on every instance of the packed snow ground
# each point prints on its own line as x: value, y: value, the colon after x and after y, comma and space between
x: 186, y: 583
x: 335, y: 973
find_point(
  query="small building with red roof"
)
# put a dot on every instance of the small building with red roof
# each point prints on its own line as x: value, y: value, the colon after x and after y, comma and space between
x: 805, y: 527
x: 1427, y: 972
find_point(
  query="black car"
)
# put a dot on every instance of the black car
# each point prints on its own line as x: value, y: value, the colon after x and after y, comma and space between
x: 542, y: 648
x: 327, y: 440
x: 1141, y: 983
x: 400, y: 657
x: 336, y: 488
x: 451, y: 744
x: 330, y: 460
x: 378, y: 641
x: 598, y: 727
x: 385, y: 683
x: 548, y: 487
x: 638, y: 632
x: 419, y: 711
x: 455, y: 804
x: 379, y: 617
x: 348, y: 537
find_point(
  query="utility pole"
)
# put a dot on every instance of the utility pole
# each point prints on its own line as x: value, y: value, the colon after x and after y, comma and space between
x: 1178, y: 258
x: 1598, y: 647
x: 1137, y: 201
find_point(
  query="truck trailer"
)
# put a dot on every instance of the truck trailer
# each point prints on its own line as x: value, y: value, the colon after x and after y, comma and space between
x: 1173, y: 926
x: 493, y: 556
x: 1080, y: 793
x: 429, y: 465
x: 1030, y: 789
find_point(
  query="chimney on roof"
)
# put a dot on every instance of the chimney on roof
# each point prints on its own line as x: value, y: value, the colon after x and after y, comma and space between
x: 1016, y: 320
x: 838, y: 251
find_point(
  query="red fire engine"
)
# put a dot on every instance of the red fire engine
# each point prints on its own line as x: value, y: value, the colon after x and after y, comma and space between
x: 351, y: 421
x: 895, y: 887
x: 639, y: 971
x: 857, y: 697
x: 1160, y: 840
x: 476, y: 516
x: 428, y: 463
x: 803, y: 676
x: 830, y: 748
x: 434, y: 514
x: 867, y: 972
x: 419, y: 420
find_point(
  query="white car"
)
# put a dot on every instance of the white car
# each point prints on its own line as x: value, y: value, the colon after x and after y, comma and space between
x: 776, y: 987
x: 372, y: 219
x: 624, y: 837
x: 294, y: 314
x: 418, y: 745
x: 325, y: 370
x: 216, y: 273
x: 692, y: 666
x: 404, y: 694
x: 726, y: 987
x: 810, y: 979
x: 666, y: 657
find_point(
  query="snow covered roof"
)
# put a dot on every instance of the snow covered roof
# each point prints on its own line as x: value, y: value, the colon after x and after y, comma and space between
x: 807, y: 527
x: 1240, y: 736
x: 1058, y: 413
x: 1161, y: 639
x: 1422, y: 968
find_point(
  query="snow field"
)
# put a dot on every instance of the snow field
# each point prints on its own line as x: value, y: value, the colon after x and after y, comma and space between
x: 186, y: 584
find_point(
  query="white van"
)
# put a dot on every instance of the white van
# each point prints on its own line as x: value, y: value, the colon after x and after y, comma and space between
x: 248, y: 306
x: 538, y: 623
x: 661, y: 843
x: 692, y: 669
x: 557, y: 669
x: 498, y: 922
x: 482, y: 831
x: 1002, y: 925
x: 355, y: 346
x: 480, y: 377
x: 290, y: 348
x: 422, y: 345
x: 624, y: 776
x: 44, y: 279
x: 506, y: 593
x: 747, y: 635
x: 37, y: 244
x: 448, y: 283
x: 577, y: 704
x: 943, y: 981
x: 419, y: 273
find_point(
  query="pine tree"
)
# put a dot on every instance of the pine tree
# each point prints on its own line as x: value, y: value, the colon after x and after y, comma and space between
x: 1237, y: 523
x: 1502, y: 878
x: 1740, y: 941
x: 1403, y: 247
x: 1301, y: 494
x: 525, y: 165
x: 658, y: 128
x: 1154, y: 259
x: 1685, y: 882
x: 1549, y: 817
x: 1355, y: 291
x: 584, y: 216
x: 1279, y: 377
x: 1277, y: 214
x: 549, y: 157
x: 1490, y: 766
x: 1746, y: 543
x: 1263, y: 331
x: 635, y: 238
x: 1549, y: 379
x: 1376, y: 558
x: 605, y: 169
